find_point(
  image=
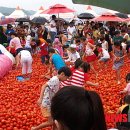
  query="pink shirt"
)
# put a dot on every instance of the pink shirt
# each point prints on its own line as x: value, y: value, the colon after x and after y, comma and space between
x: 127, y: 88
x: 16, y: 43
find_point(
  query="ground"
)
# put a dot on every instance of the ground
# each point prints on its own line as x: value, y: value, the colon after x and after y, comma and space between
x: 18, y: 100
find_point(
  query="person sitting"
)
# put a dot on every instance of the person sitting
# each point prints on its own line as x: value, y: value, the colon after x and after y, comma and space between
x: 74, y: 108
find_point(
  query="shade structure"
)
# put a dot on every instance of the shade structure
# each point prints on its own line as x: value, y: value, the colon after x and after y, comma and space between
x: 119, y: 5
x: 127, y: 20
x: 7, y: 21
x: 56, y: 9
x: 86, y: 16
x: 22, y: 20
x: 39, y: 20
x: 108, y: 17
x: 121, y: 15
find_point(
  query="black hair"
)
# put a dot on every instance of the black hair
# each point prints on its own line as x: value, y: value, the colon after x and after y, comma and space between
x: 83, y: 39
x: 98, y: 45
x: 118, y: 43
x: 77, y: 40
x: 127, y: 99
x: 75, y: 109
x: 85, y: 66
x: 77, y: 63
x: 128, y: 77
x: 53, y: 16
x: 49, y: 41
x: 102, y: 39
x: 117, y: 32
x: 13, y: 33
x: 65, y: 70
x: 51, y: 50
x: 123, y: 31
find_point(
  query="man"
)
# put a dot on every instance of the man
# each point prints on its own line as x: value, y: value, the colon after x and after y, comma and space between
x: 53, y: 29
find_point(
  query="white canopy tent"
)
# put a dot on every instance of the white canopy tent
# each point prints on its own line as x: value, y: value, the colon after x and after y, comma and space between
x: 38, y: 14
x: 91, y: 11
x: 18, y: 13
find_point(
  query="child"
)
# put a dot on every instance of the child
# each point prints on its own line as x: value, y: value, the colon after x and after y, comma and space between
x: 118, y: 54
x: 47, y: 92
x: 103, y: 55
x: 28, y: 43
x: 56, y: 60
x: 58, y: 46
x: 73, y: 56
x: 104, y: 43
x: 80, y: 77
x: 127, y: 89
x: 25, y: 58
x: 43, y: 50
x: 77, y: 63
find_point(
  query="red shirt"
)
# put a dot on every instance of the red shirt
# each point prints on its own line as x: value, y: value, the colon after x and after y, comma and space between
x: 91, y: 41
x: 44, y: 49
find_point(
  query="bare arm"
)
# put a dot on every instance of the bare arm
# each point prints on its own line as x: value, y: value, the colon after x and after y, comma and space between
x: 42, y: 93
x: 91, y: 84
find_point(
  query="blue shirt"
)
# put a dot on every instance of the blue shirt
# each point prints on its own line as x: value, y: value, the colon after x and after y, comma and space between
x: 58, y: 61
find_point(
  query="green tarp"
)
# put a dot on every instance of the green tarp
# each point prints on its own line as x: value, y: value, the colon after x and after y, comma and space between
x: 118, y: 5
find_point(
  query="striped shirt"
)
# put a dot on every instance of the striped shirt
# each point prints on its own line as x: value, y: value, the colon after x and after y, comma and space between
x: 78, y: 78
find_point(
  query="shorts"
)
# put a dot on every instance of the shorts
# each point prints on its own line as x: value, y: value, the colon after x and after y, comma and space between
x: 104, y: 59
x: 18, y: 50
x: 45, y: 112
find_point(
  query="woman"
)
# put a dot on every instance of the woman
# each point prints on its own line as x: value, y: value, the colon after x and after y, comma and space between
x: 74, y: 108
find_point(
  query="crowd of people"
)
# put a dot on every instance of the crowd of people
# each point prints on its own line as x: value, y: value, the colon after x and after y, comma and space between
x: 70, y: 51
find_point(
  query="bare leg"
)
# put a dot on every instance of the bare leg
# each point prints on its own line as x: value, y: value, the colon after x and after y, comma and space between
x: 118, y: 76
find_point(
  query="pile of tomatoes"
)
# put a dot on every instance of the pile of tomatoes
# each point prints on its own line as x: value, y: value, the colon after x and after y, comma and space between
x: 18, y: 100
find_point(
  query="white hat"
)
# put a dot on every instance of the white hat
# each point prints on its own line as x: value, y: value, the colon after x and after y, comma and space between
x: 73, y: 45
x: 28, y: 38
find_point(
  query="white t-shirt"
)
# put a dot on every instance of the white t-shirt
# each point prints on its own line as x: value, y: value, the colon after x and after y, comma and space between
x: 53, y: 87
x: 70, y: 30
x: 104, y: 45
x: 73, y: 57
x: 105, y: 53
x: 53, y: 29
x: 25, y: 55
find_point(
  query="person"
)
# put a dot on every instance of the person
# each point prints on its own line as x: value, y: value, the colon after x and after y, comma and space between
x: 89, y: 55
x: 43, y: 50
x: 25, y: 58
x: 124, y: 109
x: 127, y: 88
x: 103, y: 55
x: 74, y: 108
x: 28, y: 43
x: 16, y: 44
x: 56, y: 61
x: 63, y: 37
x: 73, y: 56
x: 47, y: 92
x: 118, y: 57
x: 104, y: 43
x: 80, y: 76
x: 71, y: 30
x: 53, y: 29
x: 58, y: 46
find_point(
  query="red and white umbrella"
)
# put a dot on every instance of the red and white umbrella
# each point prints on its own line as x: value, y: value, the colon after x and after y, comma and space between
x: 56, y: 9
x: 108, y: 17
x: 127, y: 20
x: 7, y: 21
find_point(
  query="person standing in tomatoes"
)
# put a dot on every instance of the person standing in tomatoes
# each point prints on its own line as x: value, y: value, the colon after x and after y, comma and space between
x: 43, y: 50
